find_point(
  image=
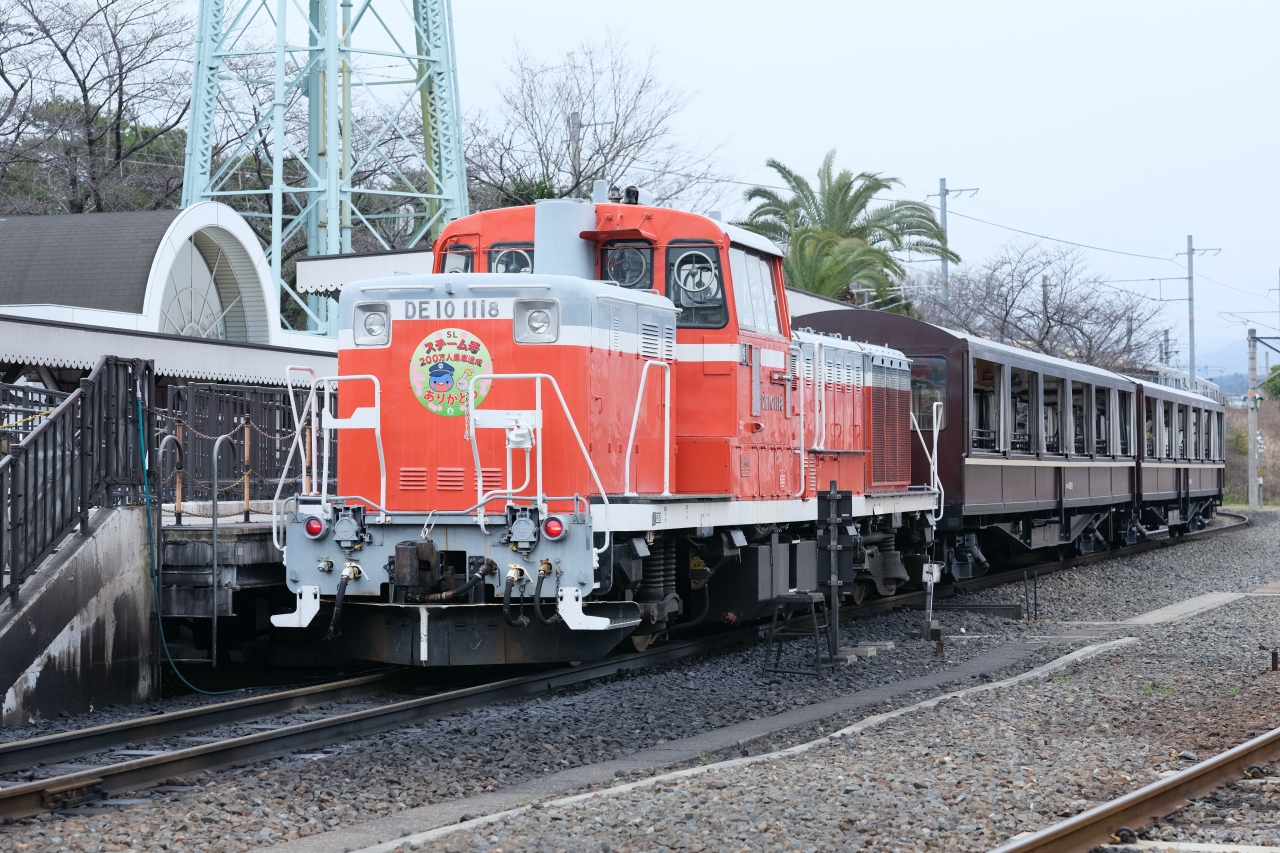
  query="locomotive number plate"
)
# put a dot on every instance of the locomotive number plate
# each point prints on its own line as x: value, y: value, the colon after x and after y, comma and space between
x: 457, y: 309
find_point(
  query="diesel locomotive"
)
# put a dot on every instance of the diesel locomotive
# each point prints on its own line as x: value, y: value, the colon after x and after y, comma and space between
x: 592, y: 423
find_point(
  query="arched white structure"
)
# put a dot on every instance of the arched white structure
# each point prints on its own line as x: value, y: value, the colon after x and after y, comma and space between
x: 206, y: 277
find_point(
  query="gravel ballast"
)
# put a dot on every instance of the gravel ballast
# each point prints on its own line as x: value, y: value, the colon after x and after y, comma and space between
x: 487, y: 749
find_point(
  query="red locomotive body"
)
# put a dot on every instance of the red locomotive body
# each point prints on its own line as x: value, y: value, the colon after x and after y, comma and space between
x: 607, y: 403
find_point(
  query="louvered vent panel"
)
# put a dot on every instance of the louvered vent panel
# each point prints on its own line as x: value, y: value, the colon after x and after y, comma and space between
x: 615, y: 334
x: 669, y: 342
x: 491, y: 478
x: 890, y: 426
x: 450, y: 479
x: 650, y: 340
x: 413, y: 479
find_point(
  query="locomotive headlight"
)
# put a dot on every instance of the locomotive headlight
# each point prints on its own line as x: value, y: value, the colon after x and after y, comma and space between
x: 375, y: 323
x: 539, y: 322
x: 536, y: 321
x: 370, y: 324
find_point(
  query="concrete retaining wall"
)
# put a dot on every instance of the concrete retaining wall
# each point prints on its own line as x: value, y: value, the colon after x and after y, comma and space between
x: 82, y: 635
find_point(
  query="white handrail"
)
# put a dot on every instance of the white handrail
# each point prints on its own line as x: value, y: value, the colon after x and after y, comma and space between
x: 358, y: 420
x: 666, y: 430
x: 800, y: 450
x: 934, y: 482
x: 555, y: 386
x: 294, y: 445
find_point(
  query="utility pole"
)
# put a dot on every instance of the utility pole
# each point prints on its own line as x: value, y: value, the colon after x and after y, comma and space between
x: 575, y: 146
x: 1252, y: 437
x: 1165, y: 352
x: 946, y: 273
x: 943, y: 192
x: 1191, y: 316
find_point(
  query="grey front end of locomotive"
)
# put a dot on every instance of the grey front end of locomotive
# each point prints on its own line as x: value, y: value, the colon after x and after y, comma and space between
x: 442, y: 589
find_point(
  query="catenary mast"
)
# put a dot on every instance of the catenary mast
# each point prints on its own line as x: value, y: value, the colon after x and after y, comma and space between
x: 321, y: 119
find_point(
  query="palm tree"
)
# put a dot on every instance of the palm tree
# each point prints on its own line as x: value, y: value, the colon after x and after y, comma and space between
x: 836, y: 230
x: 822, y: 263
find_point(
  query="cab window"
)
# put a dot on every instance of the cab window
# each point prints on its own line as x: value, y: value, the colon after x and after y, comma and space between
x: 458, y: 257
x: 695, y: 285
x: 929, y: 386
x: 754, y: 296
x: 627, y: 264
x: 511, y: 258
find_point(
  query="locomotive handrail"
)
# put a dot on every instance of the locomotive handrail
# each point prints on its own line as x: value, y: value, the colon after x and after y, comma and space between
x: 358, y: 420
x: 934, y: 482
x: 542, y: 499
x: 800, y: 450
x: 310, y: 407
x: 666, y: 431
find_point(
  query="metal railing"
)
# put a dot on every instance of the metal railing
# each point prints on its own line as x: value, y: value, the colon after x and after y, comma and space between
x: 262, y: 421
x: 23, y: 408
x: 82, y: 454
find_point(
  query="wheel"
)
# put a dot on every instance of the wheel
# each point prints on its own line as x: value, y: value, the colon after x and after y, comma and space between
x: 859, y: 593
x: 640, y: 642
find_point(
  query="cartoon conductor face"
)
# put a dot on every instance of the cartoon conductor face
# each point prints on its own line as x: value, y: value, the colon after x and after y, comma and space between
x: 441, y: 376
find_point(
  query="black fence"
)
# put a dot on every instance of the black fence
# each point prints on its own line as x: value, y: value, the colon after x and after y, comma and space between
x: 84, y: 453
x: 22, y: 409
x: 261, y: 425
x: 70, y: 452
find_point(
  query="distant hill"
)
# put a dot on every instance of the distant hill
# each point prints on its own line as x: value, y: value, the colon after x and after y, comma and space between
x: 1233, y: 383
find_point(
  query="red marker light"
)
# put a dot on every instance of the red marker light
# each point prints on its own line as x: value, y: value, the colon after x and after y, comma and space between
x: 314, y: 526
x: 553, y: 528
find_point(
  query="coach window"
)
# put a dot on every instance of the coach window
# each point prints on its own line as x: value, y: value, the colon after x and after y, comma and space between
x: 1150, y: 424
x: 458, y: 258
x: 1052, y: 415
x: 1124, y: 417
x: 1218, y: 433
x: 1078, y: 444
x: 1167, y: 430
x: 1182, y: 432
x: 1022, y: 395
x: 627, y: 264
x: 985, y: 432
x: 695, y: 285
x: 1196, y: 432
x: 1101, y: 419
x: 511, y: 258
x: 929, y: 386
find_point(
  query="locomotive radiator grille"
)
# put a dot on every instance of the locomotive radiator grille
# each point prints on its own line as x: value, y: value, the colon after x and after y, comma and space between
x: 890, y: 425
x: 413, y: 479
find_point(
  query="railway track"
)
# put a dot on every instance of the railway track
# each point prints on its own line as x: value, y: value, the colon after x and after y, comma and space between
x: 30, y: 798
x: 1117, y: 820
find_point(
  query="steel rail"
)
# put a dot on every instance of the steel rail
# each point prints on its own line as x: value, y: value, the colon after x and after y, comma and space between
x: 23, y: 754
x: 31, y: 798
x: 26, y: 799
x: 1101, y: 824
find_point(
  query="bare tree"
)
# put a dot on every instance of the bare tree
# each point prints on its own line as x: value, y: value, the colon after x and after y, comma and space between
x: 625, y: 119
x: 95, y: 90
x: 1046, y: 300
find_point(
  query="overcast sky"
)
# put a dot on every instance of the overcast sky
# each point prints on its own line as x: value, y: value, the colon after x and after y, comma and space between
x: 1125, y: 126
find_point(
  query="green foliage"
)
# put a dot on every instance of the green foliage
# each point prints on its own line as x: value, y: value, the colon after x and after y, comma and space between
x: 824, y: 263
x: 839, y: 238
x: 1238, y: 439
x: 1271, y: 385
x: 1152, y: 690
x: 522, y: 190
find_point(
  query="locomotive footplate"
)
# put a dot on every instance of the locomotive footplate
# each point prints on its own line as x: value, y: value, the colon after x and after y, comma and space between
x: 472, y: 634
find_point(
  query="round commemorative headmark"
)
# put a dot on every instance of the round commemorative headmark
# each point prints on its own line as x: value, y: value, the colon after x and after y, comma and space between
x: 444, y: 368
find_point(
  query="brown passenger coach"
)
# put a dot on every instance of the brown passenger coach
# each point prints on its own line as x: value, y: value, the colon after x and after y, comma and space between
x: 1040, y: 452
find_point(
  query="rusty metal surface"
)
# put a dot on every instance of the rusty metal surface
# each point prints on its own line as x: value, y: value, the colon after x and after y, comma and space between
x: 1138, y: 808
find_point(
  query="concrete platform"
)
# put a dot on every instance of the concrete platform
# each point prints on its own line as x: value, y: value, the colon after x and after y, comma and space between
x: 1183, y: 609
